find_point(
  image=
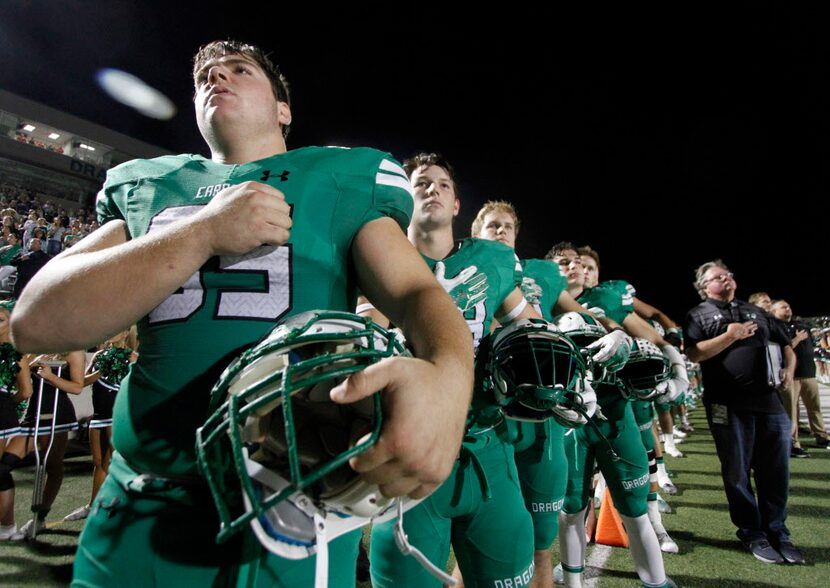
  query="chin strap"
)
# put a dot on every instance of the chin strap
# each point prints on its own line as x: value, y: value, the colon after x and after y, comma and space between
x: 321, y: 570
x: 407, y: 549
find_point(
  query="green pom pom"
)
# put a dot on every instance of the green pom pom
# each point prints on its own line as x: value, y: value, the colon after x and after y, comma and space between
x: 114, y: 363
x: 9, y: 368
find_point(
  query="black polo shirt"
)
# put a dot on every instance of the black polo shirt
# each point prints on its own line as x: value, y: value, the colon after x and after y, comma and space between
x: 738, y: 376
x: 805, y: 366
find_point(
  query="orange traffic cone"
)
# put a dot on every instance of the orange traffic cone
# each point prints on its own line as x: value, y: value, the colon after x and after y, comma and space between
x: 610, y: 530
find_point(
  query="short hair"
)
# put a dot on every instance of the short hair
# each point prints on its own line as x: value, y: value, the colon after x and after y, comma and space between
x: 756, y: 296
x: 216, y: 49
x: 559, y: 248
x: 589, y: 252
x: 700, y: 272
x: 427, y: 159
x: 774, y: 303
x: 494, y: 206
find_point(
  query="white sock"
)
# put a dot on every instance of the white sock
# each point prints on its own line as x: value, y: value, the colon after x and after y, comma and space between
x: 645, y: 550
x: 572, y: 542
x: 655, y: 518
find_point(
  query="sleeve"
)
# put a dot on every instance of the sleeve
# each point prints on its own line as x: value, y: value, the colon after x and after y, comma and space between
x: 392, y: 194
x: 627, y: 298
x: 612, y: 301
x: 106, y: 206
x: 692, y: 330
x: 778, y: 332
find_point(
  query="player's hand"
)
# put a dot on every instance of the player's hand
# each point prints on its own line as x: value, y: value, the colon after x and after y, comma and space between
x: 674, y: 336
x: 423, y: 427
x: 613, y: 350
x: 45, y: 372
x: 242, y: 217
x: 738, y: 331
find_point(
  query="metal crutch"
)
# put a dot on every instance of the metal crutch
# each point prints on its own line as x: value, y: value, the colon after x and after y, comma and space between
x: 40, y: 465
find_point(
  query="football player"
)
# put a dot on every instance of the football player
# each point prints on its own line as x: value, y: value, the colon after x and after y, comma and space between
x: 481, y: 503
x: 539, y: 448
x: 207, y: 255
x: 614, y: 443
x: 642, y: 409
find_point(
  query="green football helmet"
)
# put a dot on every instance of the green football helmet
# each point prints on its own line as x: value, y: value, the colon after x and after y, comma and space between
x: 275, y: 437
x: 584, y: 330
x: 646, y: 372
x: 536, y: 372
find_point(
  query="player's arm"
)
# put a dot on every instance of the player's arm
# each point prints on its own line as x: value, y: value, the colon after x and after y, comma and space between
x: 649, y: 312
x: 61, y: 307
x: 567, y: 303
x: 514, y: 308
x: 427, y: 396
x: 367, y: 309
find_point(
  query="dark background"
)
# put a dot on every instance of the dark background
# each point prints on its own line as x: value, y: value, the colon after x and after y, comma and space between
x: 663, y: 138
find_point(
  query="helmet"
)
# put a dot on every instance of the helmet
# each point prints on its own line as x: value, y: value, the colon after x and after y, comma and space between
x: 583, y: 329
x: 534, y: 370
x: 647, y: 368
x: 275, y: 436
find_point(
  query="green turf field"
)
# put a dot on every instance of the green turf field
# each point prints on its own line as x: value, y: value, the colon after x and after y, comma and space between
x: 710, y: 554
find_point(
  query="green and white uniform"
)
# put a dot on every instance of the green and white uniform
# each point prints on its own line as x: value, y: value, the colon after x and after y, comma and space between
x: 539, y: 447
x: 480, y: 505
x: 642, y: 409
x: 614, y: 444
x: 166, y: 528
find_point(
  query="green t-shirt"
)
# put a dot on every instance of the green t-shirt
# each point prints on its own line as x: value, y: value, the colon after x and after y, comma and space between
x: 7, y: 252
x: 542, y: 283
x: 225, y: 307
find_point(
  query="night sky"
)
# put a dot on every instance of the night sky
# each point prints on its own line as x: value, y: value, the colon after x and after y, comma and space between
x: 663, y: 139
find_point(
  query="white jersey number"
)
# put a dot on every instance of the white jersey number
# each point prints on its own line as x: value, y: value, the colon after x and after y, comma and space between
x: 271, y: 303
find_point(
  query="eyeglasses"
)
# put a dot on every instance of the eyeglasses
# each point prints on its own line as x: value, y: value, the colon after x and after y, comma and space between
x: 720, y: 277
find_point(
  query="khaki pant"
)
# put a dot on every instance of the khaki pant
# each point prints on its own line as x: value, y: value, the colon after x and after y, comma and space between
x: 807, y: 390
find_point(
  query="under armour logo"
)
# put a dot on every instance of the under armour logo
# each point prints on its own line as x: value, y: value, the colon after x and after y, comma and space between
x: 266, y: 174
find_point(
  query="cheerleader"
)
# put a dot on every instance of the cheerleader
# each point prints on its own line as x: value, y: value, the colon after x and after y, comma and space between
x: 108, y: 367
x: 15, y: 387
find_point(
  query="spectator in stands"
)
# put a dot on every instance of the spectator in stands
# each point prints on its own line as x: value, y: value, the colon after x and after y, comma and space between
x: 28, y: 263
x: 804, y: 384
x: 54, y: 235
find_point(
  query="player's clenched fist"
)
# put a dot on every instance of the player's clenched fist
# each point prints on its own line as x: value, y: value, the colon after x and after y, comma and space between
x: 242, y: 217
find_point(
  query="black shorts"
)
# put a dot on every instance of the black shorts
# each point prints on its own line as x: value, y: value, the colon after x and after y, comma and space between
x: 103, y: 399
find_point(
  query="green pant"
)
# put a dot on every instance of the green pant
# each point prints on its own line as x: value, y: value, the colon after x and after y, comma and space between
x: 644, y: 416
x: 492, y: 537
x: 615, y: 445
x: 543, y: 475
x: 156, y: 536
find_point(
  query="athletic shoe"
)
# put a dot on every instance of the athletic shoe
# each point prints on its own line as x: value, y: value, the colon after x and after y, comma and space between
x: 31, y: 525
x: 667, y: 544
x: 672, y: 450
x: 799, y: 452
x: 678, y: 434
x: 685, y: 428
x: 663, y: 506
x: 791, y: 553
x: 78, y: 514
x: 10, y: 533
x: 558, y: 574
x: 823, y: 443
x: 667, y: 486
x: 763, y: 551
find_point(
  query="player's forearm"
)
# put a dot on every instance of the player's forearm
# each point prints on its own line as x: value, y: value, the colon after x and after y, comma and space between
x: 83, y: 296
x: 439, y: 334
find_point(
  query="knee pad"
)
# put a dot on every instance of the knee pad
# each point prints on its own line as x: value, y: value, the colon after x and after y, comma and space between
x: 7, y: 463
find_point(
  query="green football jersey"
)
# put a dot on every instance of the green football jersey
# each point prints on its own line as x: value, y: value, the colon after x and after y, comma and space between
x: 495, y: 273
x: 607, y: 301
x: 542, y: 283
x: 225, y: 307
x: 626, y: 290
